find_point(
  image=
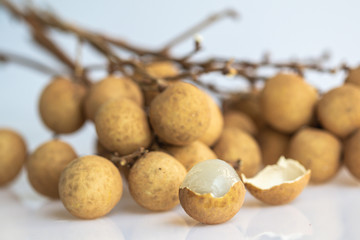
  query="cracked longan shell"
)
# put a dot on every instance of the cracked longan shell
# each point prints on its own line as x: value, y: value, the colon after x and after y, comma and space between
x: 45, y: 165
x: 287, y: 102
x: 234, y: 145
x: 191, y: 154
x: 240, y: 120
x: 12, y: 155
x: 122, y: 126
x: 208, y: 209
x: 61, y: 105
x: 90, y: 187
x: 352, y: 153
x: 109, y: 88
x: 154, y: 181
x: 180, y: 114
x: 317, y: 150
x: 339, y: 110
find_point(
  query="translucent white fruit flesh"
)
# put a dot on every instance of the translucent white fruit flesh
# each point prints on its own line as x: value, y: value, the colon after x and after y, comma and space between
x: 211, y: 176
x: 284, y: 171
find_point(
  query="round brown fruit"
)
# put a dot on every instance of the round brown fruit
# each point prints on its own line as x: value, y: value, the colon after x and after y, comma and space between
x: 61, y: 104
x: 318, y: 150
x: 180, y: 114
x: 354, y: 76
x: 287, y: 102
x: 154, y: 181
x: 234, y: 145
x: 12, y: 155
x: 352, y: 153
x: 45, y: 165
x: 240, y: 120
x: 109, y: 88
x: 122, y: 126
x: 339, y: 110
x: 90, y: 187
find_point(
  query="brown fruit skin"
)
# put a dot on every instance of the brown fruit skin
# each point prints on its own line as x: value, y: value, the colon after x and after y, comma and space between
x: 109, y: 88
x: 216, y: 124
x: 122, y: 126
x: 273, y: 145
x: 280, y: 194
x: 61, y: 104
x: 12, y: 155
x: 90, y: 187
x: 210, y: 210
x: 240, y: 120
x: 352, y: 153
x: 317, y: 150
x: 235, y: 144
x: 287, y: 102
x: 191, y: 154
x: 339, y: 110
x: 354, y: 76
x: 154, y: 181
x: 45, y: 165
x: 181, y: 114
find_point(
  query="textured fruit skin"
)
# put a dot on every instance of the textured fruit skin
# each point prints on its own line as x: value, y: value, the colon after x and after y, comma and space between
x: 211, y: 210
x: 352, y: 153
x: 154, y: 181
x: 90, y: 187
x: 354, y: 76
x: 122, y: 126
x: 61, y: 104
x: 12, y: 155
x: 180, y: 114
x: 317, y: 150
x: 235, y: 144
x: 216, y: 124
x: 191, y: 154
x: 287, y: 102
x: 111, y: 87
x: 280, y: 194
x: 339, y: 110
x: 45, y: 165
x: 240, y: 120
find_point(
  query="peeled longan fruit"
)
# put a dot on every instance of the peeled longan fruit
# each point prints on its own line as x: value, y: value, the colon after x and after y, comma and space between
x: 273, y: 145
x: 216, y: 124
x: 12, y: 155
x: 180, y: 114
x: 240, y: 120
x: 90, y: 187
x: 191, y: 154
x: 353, y: 76
x: 318, y: 150
x: 339, y: 110
x: 234, y: 145
x: 45, y: 165
x: 154, y: 181
x: 352, y: 153
x: 108, y: 88
x: 287, y: 102
x: 122, y: 126
x: 61, y: 105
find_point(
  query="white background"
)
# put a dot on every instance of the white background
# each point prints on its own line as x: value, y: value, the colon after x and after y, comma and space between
x: 286, y: 29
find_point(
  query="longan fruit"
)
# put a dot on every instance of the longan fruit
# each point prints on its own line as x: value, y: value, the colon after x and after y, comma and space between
x: 180, y: 114
x: 352, y: 153
x: 108, y: 88
x: 287, y: 102
x: 12, y: 155
x: 240, y: 120
x: 353, y: 76
x: 191, y: 154
x: 61, y: 105
x: 122, y: 126
x: 216, y: 124
x: 90, y: 187
x: 318, y: 150
x: 154, y: 181
x: 45, y: 165
x: 273, y: 145
x: 339, y: 110
x: 234, y: 145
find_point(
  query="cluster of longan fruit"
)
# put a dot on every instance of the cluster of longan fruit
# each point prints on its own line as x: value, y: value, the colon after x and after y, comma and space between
x: 180, y: 127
